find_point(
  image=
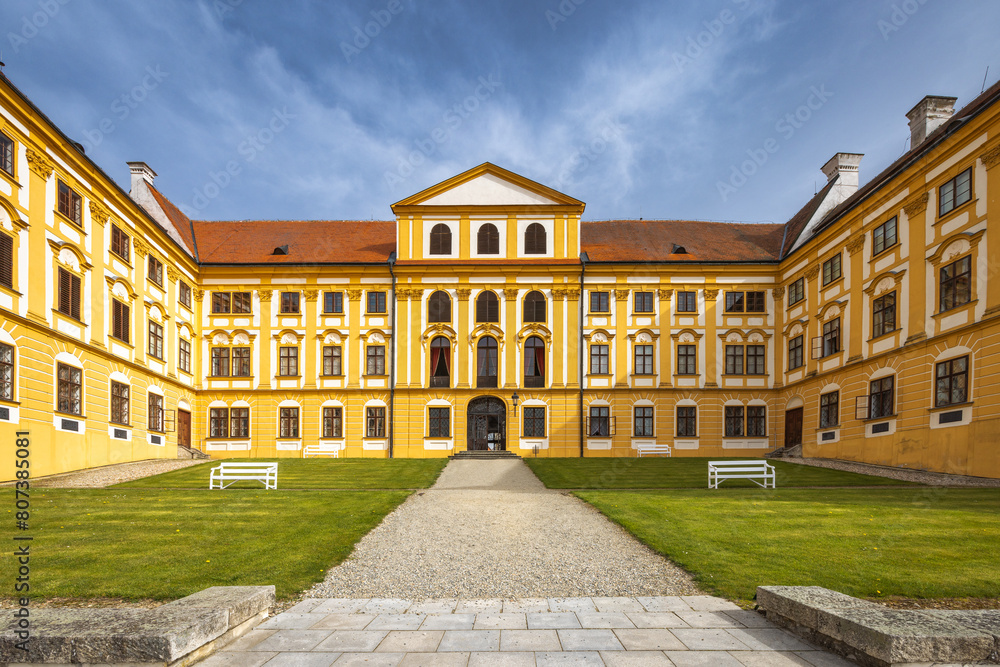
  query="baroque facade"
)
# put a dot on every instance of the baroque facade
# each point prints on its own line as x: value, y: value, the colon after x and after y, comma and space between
x: 865, y: 328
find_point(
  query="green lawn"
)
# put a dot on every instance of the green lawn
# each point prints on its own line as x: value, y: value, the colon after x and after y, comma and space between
x: 914, y: 542
x: 312, y: 474
x: 165, y: 544
x: 680, y: 473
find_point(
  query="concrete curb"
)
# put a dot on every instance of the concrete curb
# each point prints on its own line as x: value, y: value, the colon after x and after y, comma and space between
x: 173, y: 635
x: 876, y: 636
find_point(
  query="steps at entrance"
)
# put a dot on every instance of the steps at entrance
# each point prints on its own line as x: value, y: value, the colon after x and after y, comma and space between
x: 190, y: 453
x: 483, y: 454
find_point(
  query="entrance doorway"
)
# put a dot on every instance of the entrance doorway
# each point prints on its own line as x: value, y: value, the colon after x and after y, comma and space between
x: 793, y: 427
x: 487, y: 424
x: 184, y: 428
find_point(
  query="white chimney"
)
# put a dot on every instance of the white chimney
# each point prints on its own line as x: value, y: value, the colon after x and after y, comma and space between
x: 930, y: 113
x: 846, y: 166
x: 140, y: 172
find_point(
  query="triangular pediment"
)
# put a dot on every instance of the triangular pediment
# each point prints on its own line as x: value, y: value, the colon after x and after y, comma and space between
x: 488, y: 185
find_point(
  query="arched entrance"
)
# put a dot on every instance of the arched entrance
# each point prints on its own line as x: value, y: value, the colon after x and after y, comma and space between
x: 487, y: 424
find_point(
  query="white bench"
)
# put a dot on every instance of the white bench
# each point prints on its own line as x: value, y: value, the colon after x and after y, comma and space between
x: 756, y: 469
x: 265, y: 473
x: 650, y: 448
x: 321, y: 450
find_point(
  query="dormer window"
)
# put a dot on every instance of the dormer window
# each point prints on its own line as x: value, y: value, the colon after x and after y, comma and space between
x: 534, y: 240
x: 440, y: 240
x: 488, y: 240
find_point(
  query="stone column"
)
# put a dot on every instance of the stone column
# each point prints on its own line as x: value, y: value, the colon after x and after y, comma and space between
x: 264, y: 338
x: 854, y: 248
x: 99, y: 216
x: 666, y: 356
x: 41, y: 169
x: 991, y: 159
x: 310, y: 369
x: 462, y: 367
x: 355, y: 346
x: 711, y: 339
x: 621, y: 337
x: 511, y: 349
x: 814, y: 328
x: 916, y: 216
x: 572, y: 295
x: 559, y: 343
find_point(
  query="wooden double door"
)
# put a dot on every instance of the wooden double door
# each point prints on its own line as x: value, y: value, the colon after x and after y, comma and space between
x: 487, y: 424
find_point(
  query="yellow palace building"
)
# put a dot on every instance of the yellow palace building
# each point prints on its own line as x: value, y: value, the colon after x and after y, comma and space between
x: 865, y: 328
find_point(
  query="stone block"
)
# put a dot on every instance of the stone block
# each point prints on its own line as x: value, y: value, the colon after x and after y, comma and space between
x: 986, y: 621
x: 241, y: 602
x: 800, y: 604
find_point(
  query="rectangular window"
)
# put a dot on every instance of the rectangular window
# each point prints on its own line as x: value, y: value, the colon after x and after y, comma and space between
x: 831, y: 269
x: 121, y: 243
x: 599, y: 360
x: 220, y: 362
x: 687, y: 302
x: 796, y: 291
x: 955, y: 192
x: 218, y: 422
x: 155, y: 340
x: 121, y: 321
x: 184, y: 293
x: 224, y: 303
x: 6, y: 154
x: 332, y: 360
x: 956, y: 284
x: 884, y: 315
x: 333, y: 302
x: 241, y: 362
x: 644, y: 422
x: 829, y: 409
x: 184, y: 356
x: 119, y: 403
x: 375, y: 422
x: 735, y: 302
x: 600, y: 302
x: 70, y: 389
x: 734, y: 421
x: 952, y: 382
x: 375, y: 356
x: 376, y: 302
x: 644, y: 360
x: 687, y: 421
x: 7, y: 261
x: 756, y: 360
x: 884, y: 236
x: 756, y: 302
x: 831, y: 337
x: 880, y: 397
x: 756, y: 421
x: 155, y: 416
x: 534, y: 422
x: 288, y: 422
x: 439, y: 422
x: 69, y: 294
x: 795, y: 353
x: 288, y: 361
x: 6, y: 372
x: 600, y: 422
x: 643, y: 302
x: 155, y: 272
x: 734, y: 360
x: 687, y: 360
x: 333, y: 422
x: 70, y: 204
x: 242, y: 303
x: 221, y: 303
x: 239, y: 423
x: 290, y: 303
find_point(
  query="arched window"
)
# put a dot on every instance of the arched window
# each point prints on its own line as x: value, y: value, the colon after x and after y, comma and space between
x: 534, y: 362
x: 488, y: 240
x: 487, y: 307
x: 486, y: 362
x: 534, y: 307
x: 440, y: 239
x: 439, y: 307
x: 534, y: 239
x: 440, y: 362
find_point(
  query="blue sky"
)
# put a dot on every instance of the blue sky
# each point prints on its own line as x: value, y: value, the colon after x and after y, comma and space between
x: 249, y: 109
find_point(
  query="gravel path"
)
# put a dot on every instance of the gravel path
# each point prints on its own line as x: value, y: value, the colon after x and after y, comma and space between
x: 490, y: 529
x: 98, y: 478
x: 903, y: 474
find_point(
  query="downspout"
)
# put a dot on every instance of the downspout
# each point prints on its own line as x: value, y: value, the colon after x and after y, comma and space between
x: 584, y: 258
x: 392, y: 351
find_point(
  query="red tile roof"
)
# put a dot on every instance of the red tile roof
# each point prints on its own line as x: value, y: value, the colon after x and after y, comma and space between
x: 654, y: 240
x: 180, y: 221
x: 308, y: 241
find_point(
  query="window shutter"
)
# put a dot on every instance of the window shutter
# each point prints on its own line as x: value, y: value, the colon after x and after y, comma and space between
x: 6, y: 261
x: 75, y: 296
x: 64, y: 290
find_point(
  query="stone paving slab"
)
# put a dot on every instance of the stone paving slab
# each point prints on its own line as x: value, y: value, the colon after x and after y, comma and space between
x: 634, y: 631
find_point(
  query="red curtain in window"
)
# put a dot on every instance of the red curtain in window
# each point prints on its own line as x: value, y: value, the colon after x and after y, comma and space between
x: 435, y: 355
x: 540, y: 359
